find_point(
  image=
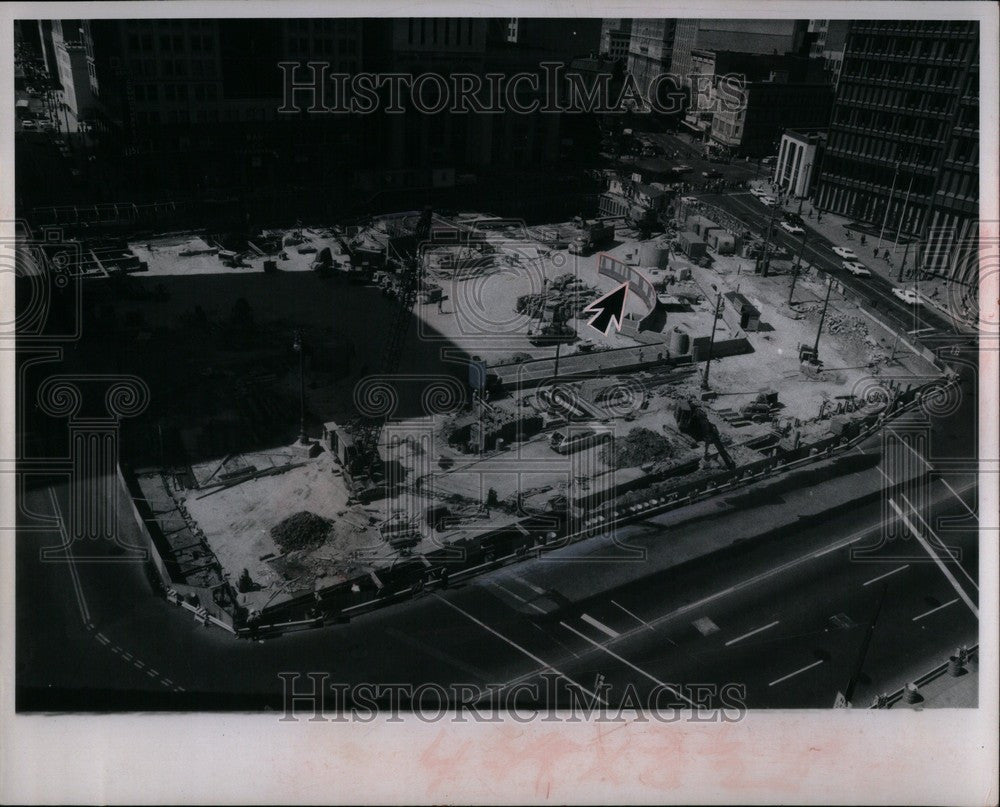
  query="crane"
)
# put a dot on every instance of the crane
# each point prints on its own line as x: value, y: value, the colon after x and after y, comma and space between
x: 369, y: 431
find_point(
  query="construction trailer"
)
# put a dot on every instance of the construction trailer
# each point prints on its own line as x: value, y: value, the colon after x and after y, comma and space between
x: 691, y: 245
x: 739, y: 313
x: 593, y: 235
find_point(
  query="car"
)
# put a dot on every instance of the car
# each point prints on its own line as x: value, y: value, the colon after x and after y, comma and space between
x: 769, y: 160
x: 845, y: 253
x: 29, y: 124
x: 768, y: 201
x: 711, y: 174
x: 857, y: 269
x: 689, y: 200
x: 794, y: 218
x: 682, y: 169
x: 789, y: 227
x: 758, y: 192
x: 908, y: 296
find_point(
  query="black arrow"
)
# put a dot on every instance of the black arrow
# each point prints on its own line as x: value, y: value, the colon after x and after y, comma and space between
x: 611, y: 307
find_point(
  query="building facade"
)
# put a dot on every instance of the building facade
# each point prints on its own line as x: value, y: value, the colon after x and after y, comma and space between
x: 799, y: 157
x: 828, y: 38
x: 616, y: 37
x: 774, y: 37
x: 903, y: 149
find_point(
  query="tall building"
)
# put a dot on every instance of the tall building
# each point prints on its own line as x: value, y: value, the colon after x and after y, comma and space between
x: 828, y: 38
x: 903, y: 148
x: 779, y: 91
x: 775, y: 37
x: 556, y: 39
x: 616, y: 36
x: 650, y: 50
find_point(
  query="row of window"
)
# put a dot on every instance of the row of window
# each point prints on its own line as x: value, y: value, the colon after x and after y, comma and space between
x: 172, y: 43
x: 882, y: 149
x: 887, y: 123
x: 912, y: 48
x: 886, y: 97
x: 172, y: 68
x: 447, y: 31
x: 922, y: 75
x: 176, y: 92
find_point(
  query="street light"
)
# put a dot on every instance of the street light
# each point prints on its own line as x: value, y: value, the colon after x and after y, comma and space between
x: 711, y: 340
x: 298, y: 348
x: 802, y: 197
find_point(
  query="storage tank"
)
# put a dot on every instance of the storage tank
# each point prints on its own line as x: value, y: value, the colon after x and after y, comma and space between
x: 653, y: 254
x: 680, y: 342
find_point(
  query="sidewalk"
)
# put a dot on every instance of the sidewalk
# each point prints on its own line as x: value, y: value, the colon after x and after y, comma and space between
x: 954, y: 301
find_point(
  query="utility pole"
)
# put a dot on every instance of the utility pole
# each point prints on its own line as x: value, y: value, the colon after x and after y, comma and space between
x: 298, y: 347
x: 555, y: 371
x: 888, y: 206
x: 902, y: 264
x: 798, y: 262
x: 902, y: 216
x: 711, y: 340
x: 802, y: 198
x: 822, y: 318
x: 763, y: 261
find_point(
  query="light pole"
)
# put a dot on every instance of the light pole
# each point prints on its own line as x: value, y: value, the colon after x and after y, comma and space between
x: 798, y: 262
x: 711, y: 340
x: 822, y: 317
x: 802, y: 197
x: 298, y: 348
x: 888, y: 207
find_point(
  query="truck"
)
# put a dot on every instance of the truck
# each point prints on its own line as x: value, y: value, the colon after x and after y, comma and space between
x: 593, y: 235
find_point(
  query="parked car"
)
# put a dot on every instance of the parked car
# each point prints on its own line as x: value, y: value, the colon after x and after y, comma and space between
x: 856, y: 269
x: 689, y: 200
x: 769, y: 160
x: 758, y: 192
x: 711, y: 174
x: 845, y: 253
x: 908, y: 296
x: 29, y: 124
x: 682, y: 169
x: 788, y: 227
x: 768, y: 201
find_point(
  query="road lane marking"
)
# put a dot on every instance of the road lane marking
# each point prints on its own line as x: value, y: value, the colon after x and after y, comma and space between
x: 627, y: 611
x: 600, y: 626
x: 953, y: 493
x: 517, y: 596
x: 883, y: 576
x: 940, y: 543
x: 934, y: 556
x: 797, y: 672
x: 938, y: 608
x: 515, y: 645
x: 835, y: 547
x: 911, y: 449
x: 529, y: 584
x: 81, y: 600
x: 751, y: 633
x: 627, y: 663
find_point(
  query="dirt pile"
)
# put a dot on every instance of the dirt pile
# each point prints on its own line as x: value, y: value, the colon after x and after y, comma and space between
x: 302, y: 530
x: 639, y: 447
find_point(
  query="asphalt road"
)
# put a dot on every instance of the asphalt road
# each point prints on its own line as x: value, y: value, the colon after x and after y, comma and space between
x: 782, y: 618
x: 818, y: 251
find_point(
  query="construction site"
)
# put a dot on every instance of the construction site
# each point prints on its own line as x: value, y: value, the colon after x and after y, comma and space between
x: 475, y: 414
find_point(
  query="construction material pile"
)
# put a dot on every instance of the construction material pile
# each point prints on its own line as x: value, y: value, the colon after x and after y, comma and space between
x: 640, y: 447
x: 302, y: 530
x: 566, y: 291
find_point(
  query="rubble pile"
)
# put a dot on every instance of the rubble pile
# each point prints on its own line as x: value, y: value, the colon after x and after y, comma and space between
x: 639, y: 447
x: 566, y: 291
x: 302, y: 530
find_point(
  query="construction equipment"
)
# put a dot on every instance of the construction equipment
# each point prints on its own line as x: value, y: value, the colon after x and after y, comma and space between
x: 694, y: 422
x: 365, y: 471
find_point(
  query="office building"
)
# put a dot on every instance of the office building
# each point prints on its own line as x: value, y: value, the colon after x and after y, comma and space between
x: 903, y: 149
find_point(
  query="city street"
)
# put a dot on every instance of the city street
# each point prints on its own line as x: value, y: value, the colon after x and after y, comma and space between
x: 783, y: 616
